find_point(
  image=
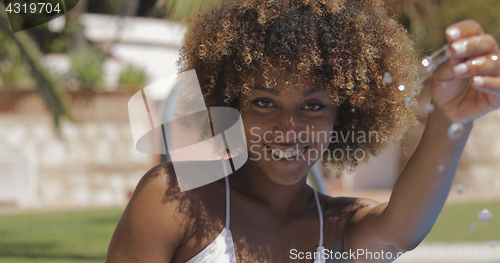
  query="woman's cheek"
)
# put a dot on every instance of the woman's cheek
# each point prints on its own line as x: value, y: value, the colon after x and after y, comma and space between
x: 253, y: 135
x: 254, y: 154
x: 322, y: 131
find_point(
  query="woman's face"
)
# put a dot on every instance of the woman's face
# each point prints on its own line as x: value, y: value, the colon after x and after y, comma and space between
x: 287, y: 130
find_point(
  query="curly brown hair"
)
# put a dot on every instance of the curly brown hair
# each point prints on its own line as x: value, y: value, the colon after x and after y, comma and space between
x: 345, y: 46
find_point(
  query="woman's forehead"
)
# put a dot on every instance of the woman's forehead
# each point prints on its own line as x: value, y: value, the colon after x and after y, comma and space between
x: 277, y: 90
x: 286, y: 91
x: 292, y: 79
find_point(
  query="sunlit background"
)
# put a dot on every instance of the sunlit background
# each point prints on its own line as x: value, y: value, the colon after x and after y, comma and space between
x: 68, y: 164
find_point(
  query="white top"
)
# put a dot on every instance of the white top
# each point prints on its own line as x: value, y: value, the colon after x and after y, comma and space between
x: 221, y: 250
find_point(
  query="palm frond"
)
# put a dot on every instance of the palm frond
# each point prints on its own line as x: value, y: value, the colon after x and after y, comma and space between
x: 47, y: 86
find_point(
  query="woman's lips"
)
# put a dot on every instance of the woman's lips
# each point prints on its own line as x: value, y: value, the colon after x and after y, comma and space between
x: 285, y: 154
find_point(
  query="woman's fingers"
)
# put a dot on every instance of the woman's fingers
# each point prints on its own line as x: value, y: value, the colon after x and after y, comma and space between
x: 471, y: 77
x: 482, y: 65
x: 467, y: 41
x: 487, y: 84
x: 474, y: 46
x: 463, y: 29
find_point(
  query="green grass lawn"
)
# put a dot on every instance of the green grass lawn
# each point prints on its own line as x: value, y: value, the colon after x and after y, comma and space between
x: 84, y: 236
x: 57, y: 237
x: 453, y: 224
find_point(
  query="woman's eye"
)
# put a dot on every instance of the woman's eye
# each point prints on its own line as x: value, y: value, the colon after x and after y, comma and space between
x: 314, y: 106
x: 263, y: 103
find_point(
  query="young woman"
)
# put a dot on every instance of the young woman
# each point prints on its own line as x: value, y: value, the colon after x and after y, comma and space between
x: 306, y: 69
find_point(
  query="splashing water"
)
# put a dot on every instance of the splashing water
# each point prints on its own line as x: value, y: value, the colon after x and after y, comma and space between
x: 426, y: 62
x: 455, y: 131
x: 429, y: 108
x: 441, y: 168
x: 408, y: 101
x: 437, y: 58
x: 353, y: 110
x: 431, y: 63
x: 387, y: 78
x: 459, y: 188
x: 485, y: 216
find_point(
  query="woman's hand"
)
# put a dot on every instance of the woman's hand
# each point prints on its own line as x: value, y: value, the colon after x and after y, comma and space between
x: 467, y: 86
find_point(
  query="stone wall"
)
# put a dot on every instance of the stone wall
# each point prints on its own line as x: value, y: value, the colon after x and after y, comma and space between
x: 93, y: 162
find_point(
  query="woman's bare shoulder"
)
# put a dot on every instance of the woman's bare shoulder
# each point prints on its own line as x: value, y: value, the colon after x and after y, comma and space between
x: 159, y: 178
x: 159, y: 189
x: 162, y: 176
x: 153, y: 224
x: 159, y: 186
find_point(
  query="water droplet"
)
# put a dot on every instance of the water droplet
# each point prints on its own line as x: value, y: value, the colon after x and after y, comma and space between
x: 455, y: 131
x: 401, y: 87
x: 429, y: 108
x: 408, y: 101
x: 441, y: 168
x: 426, y: 61
x: 413, y: 93
x: 432, y: 67
x: 459, y: 188
x: 493, y: 243
x: 473, y: 227
x: 485, y: 216
x: 387, y: 78
x: 466, y: 184
x: 353, y: 110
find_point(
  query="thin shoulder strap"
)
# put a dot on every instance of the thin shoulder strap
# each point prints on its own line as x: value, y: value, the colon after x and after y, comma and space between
x: 224, y: 167
x: 320, y: 218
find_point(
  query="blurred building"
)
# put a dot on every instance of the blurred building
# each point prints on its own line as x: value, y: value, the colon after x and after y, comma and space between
x: 94, y: 161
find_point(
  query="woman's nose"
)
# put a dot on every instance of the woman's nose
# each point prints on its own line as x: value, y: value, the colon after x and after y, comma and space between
x: 290, y: 126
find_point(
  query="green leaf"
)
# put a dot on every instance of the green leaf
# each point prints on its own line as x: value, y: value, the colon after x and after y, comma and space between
x: 47, y: 86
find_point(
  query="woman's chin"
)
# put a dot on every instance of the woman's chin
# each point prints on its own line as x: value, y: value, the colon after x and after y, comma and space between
x: 286, y: 174
x: 286, y: 180
x: 281, y: 171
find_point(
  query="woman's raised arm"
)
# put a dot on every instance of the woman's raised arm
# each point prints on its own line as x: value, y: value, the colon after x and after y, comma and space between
x: 463, y: 89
